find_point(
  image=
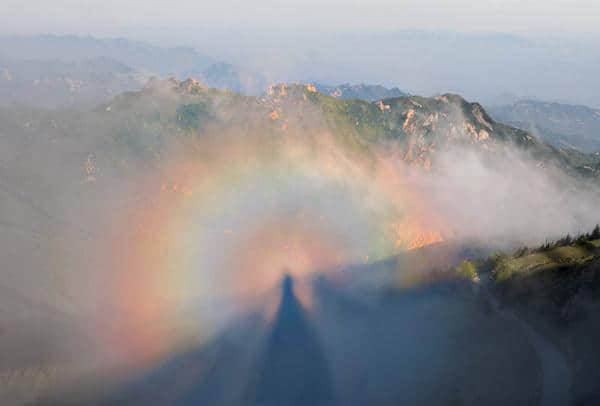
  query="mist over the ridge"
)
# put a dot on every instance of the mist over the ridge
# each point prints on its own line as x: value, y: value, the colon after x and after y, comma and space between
x: 510, y: 196
x: 266, y: 203
x: 480, y: 66
x: 135, y: 241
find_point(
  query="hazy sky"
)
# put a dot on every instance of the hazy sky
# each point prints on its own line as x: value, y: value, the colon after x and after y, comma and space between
x: 354, y: 41
x: 156, y: 19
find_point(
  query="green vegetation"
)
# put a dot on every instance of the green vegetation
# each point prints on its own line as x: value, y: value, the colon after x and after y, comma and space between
x: 467, y: 270
x: 352, y: 117
x: 194, y: 116
x: 365, y: 92
x: 559, y: 280
x: 556, y: 287
x: 144, y: 121
x: 563, y: 253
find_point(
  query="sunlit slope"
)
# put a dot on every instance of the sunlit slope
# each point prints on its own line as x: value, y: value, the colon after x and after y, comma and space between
x: 555, y: 288
x: 558, y: 275
x: 145, y: 120
x: 423, y: 125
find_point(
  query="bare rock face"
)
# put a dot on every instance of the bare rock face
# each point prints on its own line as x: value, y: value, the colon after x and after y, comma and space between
x: 447, y: 116
x: 192, y: 86
x: 187, y: 87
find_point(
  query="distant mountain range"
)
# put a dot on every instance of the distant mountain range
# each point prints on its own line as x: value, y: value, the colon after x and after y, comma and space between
x: 138, y: 55
x: 58, y: 71
x: 65, y: 71
x: 563, y: 125
x: 361, y: 91
x: 55, y: 83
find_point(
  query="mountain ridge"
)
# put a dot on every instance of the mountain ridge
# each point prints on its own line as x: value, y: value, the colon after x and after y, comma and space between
x: 563, y: 125
x: 422, y: 125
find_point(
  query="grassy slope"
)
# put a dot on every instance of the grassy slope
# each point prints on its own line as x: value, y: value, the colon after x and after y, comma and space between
x: 557, y: 290
x: 551, y: 260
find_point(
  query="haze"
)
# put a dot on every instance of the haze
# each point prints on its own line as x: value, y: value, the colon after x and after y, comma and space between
x: 527, y: 49
x: 293, y: 203
x: 112, y: 17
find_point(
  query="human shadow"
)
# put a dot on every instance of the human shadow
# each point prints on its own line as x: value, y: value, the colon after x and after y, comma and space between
x: 291, y: 369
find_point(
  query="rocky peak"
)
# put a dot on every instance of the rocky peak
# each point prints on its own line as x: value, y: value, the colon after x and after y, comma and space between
x: 448, y: 116
x: 189, y: 86
x: 192, y: 86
